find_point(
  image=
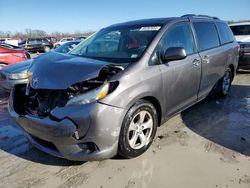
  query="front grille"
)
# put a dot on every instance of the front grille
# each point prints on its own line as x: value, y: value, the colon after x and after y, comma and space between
x: 2, y: 76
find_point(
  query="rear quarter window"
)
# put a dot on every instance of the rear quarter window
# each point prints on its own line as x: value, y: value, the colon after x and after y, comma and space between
x: 207, y: 35
x: 225, y: 33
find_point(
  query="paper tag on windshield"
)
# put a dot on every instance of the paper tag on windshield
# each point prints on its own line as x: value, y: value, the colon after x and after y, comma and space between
x: 150, y: 28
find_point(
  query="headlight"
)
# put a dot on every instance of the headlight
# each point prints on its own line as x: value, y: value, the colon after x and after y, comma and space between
x: 90, y: 96
x: 18, y: 76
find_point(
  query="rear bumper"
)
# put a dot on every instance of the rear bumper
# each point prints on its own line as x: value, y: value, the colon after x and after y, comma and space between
x: 71, y: 132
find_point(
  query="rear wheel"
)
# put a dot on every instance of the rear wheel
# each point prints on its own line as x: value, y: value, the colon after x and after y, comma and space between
x: 138, y: 129
x: 224, y: 84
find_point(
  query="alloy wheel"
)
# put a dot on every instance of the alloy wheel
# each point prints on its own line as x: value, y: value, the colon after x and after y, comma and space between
x: 140, y: 130
x: 226, y: 82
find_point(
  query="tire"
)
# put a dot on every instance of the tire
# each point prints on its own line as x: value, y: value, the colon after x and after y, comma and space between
x: 137, y: 133
x: 46, y: 48
x: 224, y: 84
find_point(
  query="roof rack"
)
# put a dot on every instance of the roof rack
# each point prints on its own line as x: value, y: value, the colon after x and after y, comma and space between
x: 200, y: 16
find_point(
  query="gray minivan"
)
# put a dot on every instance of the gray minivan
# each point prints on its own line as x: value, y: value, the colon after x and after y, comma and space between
x: 109, y: 94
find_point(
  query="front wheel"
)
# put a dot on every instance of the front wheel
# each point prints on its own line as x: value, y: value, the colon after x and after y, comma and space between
x: 138, y: 129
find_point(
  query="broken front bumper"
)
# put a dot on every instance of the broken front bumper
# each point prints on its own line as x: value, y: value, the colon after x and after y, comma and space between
x: 83, y: 133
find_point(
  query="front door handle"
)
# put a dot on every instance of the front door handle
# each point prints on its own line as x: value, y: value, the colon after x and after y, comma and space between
x: 196, y: 62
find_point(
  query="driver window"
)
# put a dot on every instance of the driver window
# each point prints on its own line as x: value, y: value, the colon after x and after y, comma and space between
x: 179, y: 36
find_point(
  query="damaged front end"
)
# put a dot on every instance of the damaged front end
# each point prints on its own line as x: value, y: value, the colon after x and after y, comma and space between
x: 40, y: 102
x: 65, y: 121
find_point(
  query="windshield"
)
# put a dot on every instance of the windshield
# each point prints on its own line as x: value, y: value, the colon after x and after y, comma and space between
x: 117, y: 44
x: 241, y: 29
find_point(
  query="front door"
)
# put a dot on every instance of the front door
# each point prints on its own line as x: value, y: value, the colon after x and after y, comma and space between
x: 181, y: 78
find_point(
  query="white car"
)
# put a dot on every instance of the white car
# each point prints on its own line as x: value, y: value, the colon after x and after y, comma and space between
x: 241, y: 31
x: 9, y: 41
x: 62, y: 41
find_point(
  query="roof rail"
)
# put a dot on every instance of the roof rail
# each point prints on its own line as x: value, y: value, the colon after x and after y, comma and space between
x: 200, y: 16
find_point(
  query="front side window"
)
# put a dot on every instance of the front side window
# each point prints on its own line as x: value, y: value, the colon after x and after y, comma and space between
x: 241, y: 29
x: 179, y: 36
x: 207, y: 35
x: 121, y: 44
x: 225, y: 33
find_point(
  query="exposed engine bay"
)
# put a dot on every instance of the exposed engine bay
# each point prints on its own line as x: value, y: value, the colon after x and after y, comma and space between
x: 40, y: 102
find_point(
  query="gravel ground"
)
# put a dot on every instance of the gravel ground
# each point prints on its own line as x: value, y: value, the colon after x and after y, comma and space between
x: 207, y: 145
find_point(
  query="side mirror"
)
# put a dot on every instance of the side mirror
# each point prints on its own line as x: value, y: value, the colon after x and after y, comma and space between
x: 174, y: 53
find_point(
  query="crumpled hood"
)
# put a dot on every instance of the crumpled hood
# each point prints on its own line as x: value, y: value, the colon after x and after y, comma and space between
x: 59, y: 71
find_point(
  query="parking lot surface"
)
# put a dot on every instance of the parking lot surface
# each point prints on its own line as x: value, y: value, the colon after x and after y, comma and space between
x: 205, y: 146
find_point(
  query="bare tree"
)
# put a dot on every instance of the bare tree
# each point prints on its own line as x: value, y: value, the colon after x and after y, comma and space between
x: 32, y: 33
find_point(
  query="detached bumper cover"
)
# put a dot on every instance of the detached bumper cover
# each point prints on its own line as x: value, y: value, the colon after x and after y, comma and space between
x: 94, y: 123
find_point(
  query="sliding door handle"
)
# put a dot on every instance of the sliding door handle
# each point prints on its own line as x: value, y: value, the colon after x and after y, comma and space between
x: 205, y: 59
x: 196, y: 62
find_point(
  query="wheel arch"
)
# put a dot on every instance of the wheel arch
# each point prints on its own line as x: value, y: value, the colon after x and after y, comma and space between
x: 157, y: 106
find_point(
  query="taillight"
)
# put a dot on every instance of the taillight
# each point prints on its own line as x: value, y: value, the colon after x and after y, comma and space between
x: 238, y: 47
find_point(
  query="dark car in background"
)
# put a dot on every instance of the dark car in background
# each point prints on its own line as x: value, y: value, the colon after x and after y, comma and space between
x: 10, y: 54
x: 36, y: 44
x: 18, y: 73
x: 14, y: 74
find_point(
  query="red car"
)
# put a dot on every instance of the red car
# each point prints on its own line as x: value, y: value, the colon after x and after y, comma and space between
x: 10, y: 54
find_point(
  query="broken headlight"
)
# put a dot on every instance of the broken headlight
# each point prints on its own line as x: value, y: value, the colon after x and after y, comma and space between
x: 90, y: 96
